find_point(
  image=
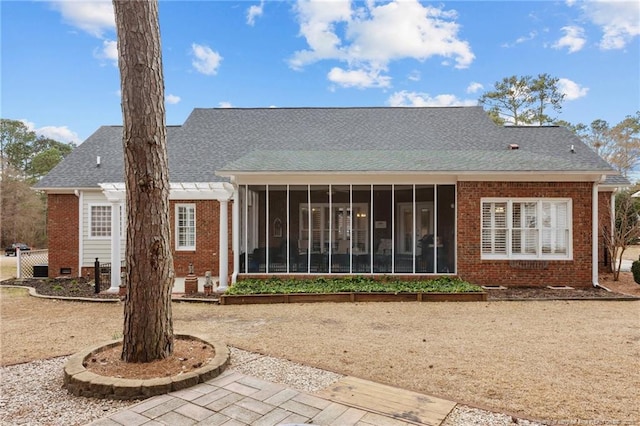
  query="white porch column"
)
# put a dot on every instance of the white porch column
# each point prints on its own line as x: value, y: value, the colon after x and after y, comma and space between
x: 235, y: 230
x: 115, y: 247
x: 115, y: 193
x: 223, y: 257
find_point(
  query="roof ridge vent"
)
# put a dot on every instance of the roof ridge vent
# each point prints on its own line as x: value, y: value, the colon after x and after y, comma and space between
x: 513, y: 146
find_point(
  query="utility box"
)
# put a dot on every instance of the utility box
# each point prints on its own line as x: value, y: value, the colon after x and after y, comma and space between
x: 40, y: 271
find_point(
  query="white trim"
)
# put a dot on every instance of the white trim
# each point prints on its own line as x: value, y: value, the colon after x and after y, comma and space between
x: 116, y: 227
x: 455, y: 227
x: 531, y: 176
x: 344, y: 179
x: 90, y: 235
x: 235, y: 233
x: 178, y: 247
x: 509, y: 228
x: 115, y: 192
x: 594, y: 235
x: 80, y: 196
x: 223, y: 246
x: 435, y: 229
x: 178, y: 190
x: 409, y: 177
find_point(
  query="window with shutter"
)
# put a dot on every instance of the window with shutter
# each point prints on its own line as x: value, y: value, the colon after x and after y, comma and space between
x: 526, y: 228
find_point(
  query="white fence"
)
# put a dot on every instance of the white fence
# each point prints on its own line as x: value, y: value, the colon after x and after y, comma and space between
x: 30, y: 260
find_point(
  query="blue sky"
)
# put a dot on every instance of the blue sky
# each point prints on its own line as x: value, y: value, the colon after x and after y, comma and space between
x: 59, y: 71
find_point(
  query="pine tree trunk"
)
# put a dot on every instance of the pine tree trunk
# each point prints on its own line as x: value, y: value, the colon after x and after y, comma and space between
x: 148, y: 324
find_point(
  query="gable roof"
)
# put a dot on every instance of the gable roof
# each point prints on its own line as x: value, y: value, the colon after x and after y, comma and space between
x: 228, y: 140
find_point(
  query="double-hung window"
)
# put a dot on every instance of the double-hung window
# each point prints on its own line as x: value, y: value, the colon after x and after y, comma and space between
x: 520, y: 228
x: 99, y: 221
x: 185, y: 227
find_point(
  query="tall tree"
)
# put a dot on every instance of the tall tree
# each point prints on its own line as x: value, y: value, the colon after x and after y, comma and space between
x: 618, y: 145
x: 22, y: 211
x: 626, y: 135
x: 148, y: 324
x: 511, y: 99
x: 523, y: 100
x: 16, y: 142
x: 545, y: 94
x: 27, y: 155
x: 626, y: 229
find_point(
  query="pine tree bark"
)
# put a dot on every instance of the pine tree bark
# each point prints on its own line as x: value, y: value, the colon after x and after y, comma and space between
x: 148, y: 324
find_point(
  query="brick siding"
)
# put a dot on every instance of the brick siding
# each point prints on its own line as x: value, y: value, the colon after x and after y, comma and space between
x: 62, y: 225
x: 62, y: 229
x: 205, y: 257
x: 471, y: 267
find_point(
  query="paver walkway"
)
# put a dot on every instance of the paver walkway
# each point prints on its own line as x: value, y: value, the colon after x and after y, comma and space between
x: 235, y: 399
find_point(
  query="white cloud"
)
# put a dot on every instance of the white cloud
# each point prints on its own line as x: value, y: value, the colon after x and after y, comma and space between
x: 205, y: 61
x: 573, y: 39
x: 58, y: 133
x: 415, y: 99
x: 474, y: 87
x: 618, y: 21
x: 372, y: 35
x: 94, y: 17
x: 172, y: 99
x: 253, y: 12
x: 358, y: 78
x: 571, y: 90
x: 109, y: 51
x: 414, y: 75
x: 225, y: 104
x: 522, y: 39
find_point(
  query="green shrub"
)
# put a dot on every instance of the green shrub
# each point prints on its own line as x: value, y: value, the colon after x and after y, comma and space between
x: 635, y: 268
x: 357, y: 283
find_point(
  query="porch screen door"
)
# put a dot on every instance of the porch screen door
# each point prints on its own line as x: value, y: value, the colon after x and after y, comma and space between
x: 421, y: 227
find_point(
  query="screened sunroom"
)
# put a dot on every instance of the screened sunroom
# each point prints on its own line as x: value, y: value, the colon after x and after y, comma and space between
x: 347, y: 229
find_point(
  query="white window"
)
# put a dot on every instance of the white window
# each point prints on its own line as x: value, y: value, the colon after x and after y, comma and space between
x: 99, y: 221
x: 526, y: 228
x: 185, y: 226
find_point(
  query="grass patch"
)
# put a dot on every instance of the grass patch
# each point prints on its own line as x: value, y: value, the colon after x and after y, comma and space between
x: 7, y: 270
x: 356, y: 284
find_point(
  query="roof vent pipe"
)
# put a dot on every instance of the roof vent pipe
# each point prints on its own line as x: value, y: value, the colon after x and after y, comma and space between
x: 573, y: 149
x: 98, y: 161
x: 513, y: 146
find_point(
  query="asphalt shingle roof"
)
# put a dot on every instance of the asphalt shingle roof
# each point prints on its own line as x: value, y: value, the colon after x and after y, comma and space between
x: 448, y: 139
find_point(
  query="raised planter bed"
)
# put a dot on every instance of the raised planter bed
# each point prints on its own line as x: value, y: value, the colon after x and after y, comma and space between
x: 351, y: 297
x: 80, y: 381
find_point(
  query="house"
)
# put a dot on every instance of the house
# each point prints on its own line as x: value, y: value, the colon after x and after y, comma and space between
x: 412, y: 192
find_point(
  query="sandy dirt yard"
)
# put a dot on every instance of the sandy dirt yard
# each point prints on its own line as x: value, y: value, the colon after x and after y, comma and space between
x: 551, y: 360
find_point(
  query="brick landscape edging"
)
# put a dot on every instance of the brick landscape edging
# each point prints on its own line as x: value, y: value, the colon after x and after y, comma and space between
x: 81, y: 382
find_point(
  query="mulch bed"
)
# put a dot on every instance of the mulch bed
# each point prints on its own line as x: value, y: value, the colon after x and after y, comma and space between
x: 64, y: 287
x: 545, y: 293
x: 81, y: 287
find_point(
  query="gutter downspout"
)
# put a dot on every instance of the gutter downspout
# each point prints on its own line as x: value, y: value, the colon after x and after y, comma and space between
x: 80, y: 196
x: 594, y: 232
